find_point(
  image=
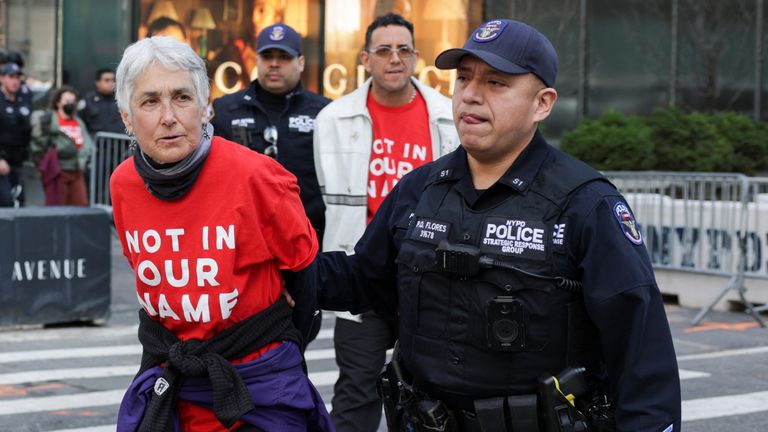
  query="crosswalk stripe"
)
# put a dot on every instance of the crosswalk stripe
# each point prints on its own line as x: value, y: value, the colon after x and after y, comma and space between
x: 37, y: 335
x: 55, y: 403
x: 323, y: 378
x: 722, y: 406
x: 64, y: 353
x: 66, y: 374
x: 688, y: 374
x: 325, y: 334
x: 725, y: 353
x: 319, y: 354
x: 696, y: 409
x: 105, y: 428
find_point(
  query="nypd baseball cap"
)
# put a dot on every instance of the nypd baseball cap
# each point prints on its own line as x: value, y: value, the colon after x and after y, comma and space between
x: 279, y: 36
x: 508, y: 46
x: 11, y: 69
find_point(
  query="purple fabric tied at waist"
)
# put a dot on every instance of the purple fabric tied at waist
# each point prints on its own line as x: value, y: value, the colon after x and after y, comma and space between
x: 283, y: 396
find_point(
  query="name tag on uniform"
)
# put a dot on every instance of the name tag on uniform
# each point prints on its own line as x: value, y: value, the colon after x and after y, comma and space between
x: 514, y: 237
x: 430, y: 231
x: 243, y: 122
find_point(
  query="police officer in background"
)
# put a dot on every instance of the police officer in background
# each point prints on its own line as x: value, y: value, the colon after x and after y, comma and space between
x: 98, y: 108
x: 15, y: 132
x: 524, y: 293
x: 275, y: 114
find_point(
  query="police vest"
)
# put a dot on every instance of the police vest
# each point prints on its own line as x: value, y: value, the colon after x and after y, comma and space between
x: 495, y: 332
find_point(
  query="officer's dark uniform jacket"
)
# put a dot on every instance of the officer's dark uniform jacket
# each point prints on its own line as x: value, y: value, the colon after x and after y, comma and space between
x: 551, y: 215
x: 100, y: 114
x: 15, y: 128
x: 242, y: 111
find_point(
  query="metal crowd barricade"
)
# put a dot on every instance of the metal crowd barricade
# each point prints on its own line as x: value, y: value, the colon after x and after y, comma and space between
x: 697, y: 222
x: 111, y: 149
x: 755, y: 257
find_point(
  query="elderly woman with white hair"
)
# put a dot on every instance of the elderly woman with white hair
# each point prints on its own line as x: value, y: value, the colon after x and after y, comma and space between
x: 207, y: 226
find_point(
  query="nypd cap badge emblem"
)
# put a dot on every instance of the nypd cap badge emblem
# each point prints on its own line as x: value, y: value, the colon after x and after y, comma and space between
x: 489, y: 31
x: 277, y: 34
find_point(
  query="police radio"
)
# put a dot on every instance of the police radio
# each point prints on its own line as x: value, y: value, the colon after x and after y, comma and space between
x: 505, y: 319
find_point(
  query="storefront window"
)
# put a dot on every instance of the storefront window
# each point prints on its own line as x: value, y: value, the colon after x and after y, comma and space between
x: 29, y: 28
x: 438, y: 25
x: 224, y: 33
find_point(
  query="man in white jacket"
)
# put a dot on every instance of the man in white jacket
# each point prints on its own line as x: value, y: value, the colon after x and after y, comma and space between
x: 364, y: 143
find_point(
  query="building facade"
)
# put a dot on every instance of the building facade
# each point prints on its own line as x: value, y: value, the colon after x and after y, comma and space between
x: 626, y: 55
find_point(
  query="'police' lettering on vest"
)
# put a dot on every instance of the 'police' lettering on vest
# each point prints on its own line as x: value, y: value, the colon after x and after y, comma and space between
x: 514, y: 237
x: 302, y: 123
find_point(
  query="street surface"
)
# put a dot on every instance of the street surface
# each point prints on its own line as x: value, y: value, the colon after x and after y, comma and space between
x: 72, y: 378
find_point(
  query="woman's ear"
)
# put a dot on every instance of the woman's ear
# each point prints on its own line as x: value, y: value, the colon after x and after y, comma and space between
x: 127, y: 122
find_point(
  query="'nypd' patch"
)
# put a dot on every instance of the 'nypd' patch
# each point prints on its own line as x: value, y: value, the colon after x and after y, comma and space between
x: 277, y: 33
x: 430, y: 231
x: 514, y: 237
x: 627, y: 223
x: 489, y: 31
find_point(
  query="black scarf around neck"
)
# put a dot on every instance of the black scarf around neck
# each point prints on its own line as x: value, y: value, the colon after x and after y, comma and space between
x: 170, y: 182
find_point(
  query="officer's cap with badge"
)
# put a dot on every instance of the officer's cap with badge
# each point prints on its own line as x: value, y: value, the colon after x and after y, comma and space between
x: 279, y: 36
x: 11, y: 69
x: 508, y: 46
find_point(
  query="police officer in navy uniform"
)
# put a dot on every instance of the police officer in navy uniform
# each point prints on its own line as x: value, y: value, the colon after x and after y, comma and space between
x: 15, y: 132
x: 275, y: 114
x: 517, y: 272
x: 98, y: 108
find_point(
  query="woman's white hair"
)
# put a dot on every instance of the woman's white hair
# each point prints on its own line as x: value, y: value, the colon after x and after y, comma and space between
x: 168, y: 52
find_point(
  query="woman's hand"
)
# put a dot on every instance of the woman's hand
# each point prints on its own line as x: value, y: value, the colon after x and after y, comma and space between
x: 287, y: 295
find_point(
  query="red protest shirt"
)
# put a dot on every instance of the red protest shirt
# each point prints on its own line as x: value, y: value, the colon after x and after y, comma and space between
x: 401, y: 143
x: 72, y: 129
x: 213, y: 258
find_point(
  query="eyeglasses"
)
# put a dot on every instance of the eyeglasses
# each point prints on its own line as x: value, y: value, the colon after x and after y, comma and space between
x: 385, y: 52
x: 270, y: 136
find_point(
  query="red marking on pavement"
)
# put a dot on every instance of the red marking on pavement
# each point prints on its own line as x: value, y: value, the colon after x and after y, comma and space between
x: 82, y: 413
x: 6, y: 391
x: 10, y: 391
x: 721, y: 326
x: 45, y: 387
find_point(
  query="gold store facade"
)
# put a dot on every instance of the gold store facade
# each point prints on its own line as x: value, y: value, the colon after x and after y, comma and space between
x: 333, y: 31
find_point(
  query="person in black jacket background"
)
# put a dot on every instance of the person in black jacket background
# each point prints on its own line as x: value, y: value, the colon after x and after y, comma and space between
x: 15, y: 132
x: 275, y: 114
x: 98, y: 108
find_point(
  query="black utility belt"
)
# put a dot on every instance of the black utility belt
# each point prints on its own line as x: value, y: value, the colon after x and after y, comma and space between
x: 563, y: 403
x: 518, y: 413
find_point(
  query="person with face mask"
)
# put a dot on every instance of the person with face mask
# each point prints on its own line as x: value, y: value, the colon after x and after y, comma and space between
x: 61, y: 129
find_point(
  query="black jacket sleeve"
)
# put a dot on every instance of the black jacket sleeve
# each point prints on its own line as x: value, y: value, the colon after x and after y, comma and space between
x: 625, y: 304
x: 368, y: 279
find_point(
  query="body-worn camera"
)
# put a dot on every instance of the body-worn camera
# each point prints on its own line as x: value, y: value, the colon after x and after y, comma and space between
x: 505, y: 320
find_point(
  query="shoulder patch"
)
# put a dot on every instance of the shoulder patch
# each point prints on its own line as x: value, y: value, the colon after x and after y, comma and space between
x: 627, y: 222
